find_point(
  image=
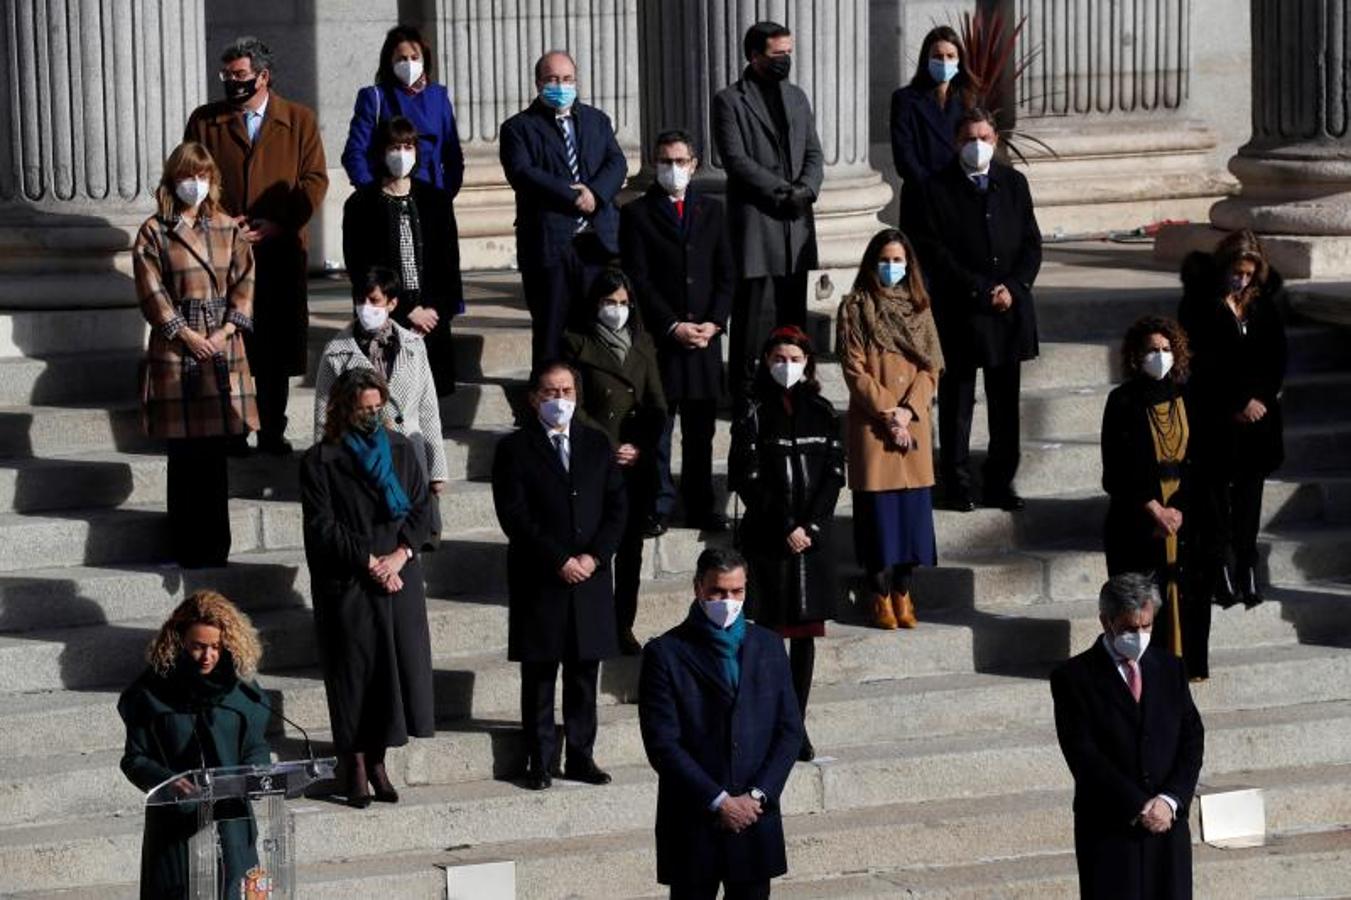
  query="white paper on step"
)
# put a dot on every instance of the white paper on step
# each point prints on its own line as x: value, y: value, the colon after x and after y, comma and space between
x: 1234, y: 819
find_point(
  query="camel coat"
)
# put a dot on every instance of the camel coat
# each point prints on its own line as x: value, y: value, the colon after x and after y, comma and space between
x: 879, y: 380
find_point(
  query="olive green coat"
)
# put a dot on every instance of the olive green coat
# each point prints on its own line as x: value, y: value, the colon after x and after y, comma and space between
x: 622, y: 399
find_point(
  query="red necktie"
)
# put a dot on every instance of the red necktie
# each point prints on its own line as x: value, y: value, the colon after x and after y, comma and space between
x: 1133, y: 678
x: 680, y: 210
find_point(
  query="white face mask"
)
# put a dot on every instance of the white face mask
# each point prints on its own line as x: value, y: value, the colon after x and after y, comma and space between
x: 400, y: 162
x: 976, y: 155
x: 672, y: 178
x: 372, y: 318
x: 1157, y: 364
x: 1131, y: 644
x: 408, y: 70
x: 557, y: 411
x: 722, y: 612
x: 613, y: 316
x: 192, y: 191
x: 787, y: 374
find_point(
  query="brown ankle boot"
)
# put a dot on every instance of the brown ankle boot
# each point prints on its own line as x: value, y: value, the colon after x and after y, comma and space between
x: 882, y: 615
x: 904, y: 609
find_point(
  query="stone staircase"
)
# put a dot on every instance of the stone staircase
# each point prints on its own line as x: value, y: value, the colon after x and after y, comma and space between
x: 939, y: 773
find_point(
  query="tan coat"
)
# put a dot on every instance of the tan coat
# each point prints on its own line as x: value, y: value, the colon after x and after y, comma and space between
x: 880, y: 380
x: 199, y: 277
x: 281, y: 177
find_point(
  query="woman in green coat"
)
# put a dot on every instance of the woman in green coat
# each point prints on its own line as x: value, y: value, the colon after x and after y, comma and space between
x: 195, y: 704
x: 621, y: 395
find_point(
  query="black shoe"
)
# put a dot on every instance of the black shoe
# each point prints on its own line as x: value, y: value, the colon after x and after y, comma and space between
x: 1247, y: 583
x: 538, y: 780
x: 1226, y: 591
x: 654, y: 526
x: 958, y: 501
x: 275, y: 446
x: 1007, y: 500
x: 587, y: 773
x: 628, y: 644
x: 807, y: 752
x: 385, y: 791
x: 713, y: 521
x: 238, y: 447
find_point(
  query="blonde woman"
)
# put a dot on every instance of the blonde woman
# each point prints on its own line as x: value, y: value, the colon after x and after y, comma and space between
x: 194, y: 279
x: 195, y: 704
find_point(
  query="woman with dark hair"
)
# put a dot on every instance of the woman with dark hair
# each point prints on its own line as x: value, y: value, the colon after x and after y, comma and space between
x: 889, y: 350
x: 1145, y: 472
x: 1231, y: 310
x: 407, y: 225
x: 787, y: 465
x: 196, y: 704
x: 621, y: 395
x: 925, y: 112
x: 366, y: 514
x: 405, y: 86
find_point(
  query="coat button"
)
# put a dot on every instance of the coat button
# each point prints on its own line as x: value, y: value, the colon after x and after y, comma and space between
x: 574, y: 493
x: 689, y: 281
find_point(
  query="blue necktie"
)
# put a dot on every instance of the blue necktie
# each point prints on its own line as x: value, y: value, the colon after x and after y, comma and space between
x: 565, y: 125
x: 982, y: 183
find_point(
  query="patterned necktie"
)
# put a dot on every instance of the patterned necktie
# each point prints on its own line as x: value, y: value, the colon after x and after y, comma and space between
x: 561, y: 448
x: 1133, y: 678
x: 565, y: 125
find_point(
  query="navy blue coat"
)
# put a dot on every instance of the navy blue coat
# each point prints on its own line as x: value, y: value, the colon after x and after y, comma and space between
x: 1121, y: 754
x: 440, y: 157
x: 703, y: 740
x: 535, y: 160
x: 923, y: 141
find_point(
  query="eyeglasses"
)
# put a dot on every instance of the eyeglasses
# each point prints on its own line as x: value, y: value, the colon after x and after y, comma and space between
x: 236, y: 75
x: 555, y: 79
x: 681, y: 161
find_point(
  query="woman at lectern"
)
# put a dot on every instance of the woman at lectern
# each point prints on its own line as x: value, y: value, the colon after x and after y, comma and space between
x: 195, y: 705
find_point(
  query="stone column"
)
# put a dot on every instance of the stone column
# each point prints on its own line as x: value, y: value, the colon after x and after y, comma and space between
x: 487, y: 54
x: 93, y: 96
x: 1106, y: 88
x: 692, y: 50
x: 1296, y: 169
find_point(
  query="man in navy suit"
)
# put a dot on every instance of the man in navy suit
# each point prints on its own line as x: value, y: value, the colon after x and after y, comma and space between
x: 720, y: 724
x: 564, y: 163
x: 1133, y: 741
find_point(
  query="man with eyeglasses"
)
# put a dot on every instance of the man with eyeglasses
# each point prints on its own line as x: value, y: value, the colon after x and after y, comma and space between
x: 563, y: 161
x: 273, y: 178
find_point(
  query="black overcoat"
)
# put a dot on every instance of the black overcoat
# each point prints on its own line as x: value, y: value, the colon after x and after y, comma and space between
x: 788, y: 468
x: 1121, y: 754
x: 764, y: 240
x: 1231, y: 366
x: 702, y: 739
x: 549, y: 514
x: 1131, y: 476
x: 682, y: 271
x: 923, y: 134
x: 374, y: 648
x: 968, y: 242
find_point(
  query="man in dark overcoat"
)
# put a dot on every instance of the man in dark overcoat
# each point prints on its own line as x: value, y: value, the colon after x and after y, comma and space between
x: 560, y: 500
x: 720, y: 724
x: 1133, y: 740
x: 974, y: 228
x: 766, y: 140
x: 273, y: 178
x: 675, y: 248
x: 562, y: 159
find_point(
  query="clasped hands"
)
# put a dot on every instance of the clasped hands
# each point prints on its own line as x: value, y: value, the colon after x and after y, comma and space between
x: 1157, y: 816
x: 1254, y: 411
x: 203, y: 348
x: 626, y: 455
x: 255, y: 230
x: 578, y: 568
x: 695, y: 337
x: 1167, y: 521
x: 1000, y: 298
x: 897, y: 422
x: 793, y: 201
x: 585, y: 201
x: 736, y: 814
x: 384, y: 570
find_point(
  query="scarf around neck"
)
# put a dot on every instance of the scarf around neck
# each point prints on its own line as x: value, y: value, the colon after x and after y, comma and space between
x: 889, y: 319
x: 724, y: 642
x: 381, y: 347
x: 617, y: 342
x: 372, y: 453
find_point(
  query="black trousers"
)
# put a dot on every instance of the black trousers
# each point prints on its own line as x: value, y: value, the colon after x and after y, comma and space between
x: 1238, y: 508
x: 957, y: 406
x: 198, y: 499
x: 580, y: 678
x: 640, y: 484
x: 552, y: 291
x: 698, y: 422
x: 708, y: 890
x: 759, y: 306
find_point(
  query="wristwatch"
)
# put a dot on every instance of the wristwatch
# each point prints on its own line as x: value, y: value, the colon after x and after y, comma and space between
x: 758, y: 796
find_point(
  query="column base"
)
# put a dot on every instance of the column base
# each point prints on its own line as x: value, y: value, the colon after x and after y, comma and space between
x: 847, y: 215
x: 54, y: 261
x: 1120, y: 174
x: 1293, y: 255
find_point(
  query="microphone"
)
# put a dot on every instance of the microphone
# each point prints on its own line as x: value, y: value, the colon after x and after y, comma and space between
x: 312, y: 767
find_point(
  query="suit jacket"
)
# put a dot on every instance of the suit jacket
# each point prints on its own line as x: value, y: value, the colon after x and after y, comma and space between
x: 702, y: 739
x: 282, y: 177
x: 1121, y: 754
x: 535, y: 160
x: 682, y: 271
x: 765, y: 240
x: 969, y: 242
x: 548, y: 515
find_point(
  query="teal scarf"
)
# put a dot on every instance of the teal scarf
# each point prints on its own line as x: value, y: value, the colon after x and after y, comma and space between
x: 372, y: 454
x: 724, y: 642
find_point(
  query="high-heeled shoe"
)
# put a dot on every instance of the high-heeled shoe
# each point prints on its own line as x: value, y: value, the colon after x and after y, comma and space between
x: 806, y: 753
x: 904, y: 609
x: 1247, y: 583
x: 356, y: 789
x: 883, y: 617
x: 379, y: 779
x: 1226, y: 593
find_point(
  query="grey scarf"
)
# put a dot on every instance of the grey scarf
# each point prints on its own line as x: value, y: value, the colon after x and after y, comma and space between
x: 617, y: 342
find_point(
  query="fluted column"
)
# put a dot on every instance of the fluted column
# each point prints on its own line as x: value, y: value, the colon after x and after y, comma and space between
x: 692, y: 50
x: 93, y: 96
x: 1106, y: 87
x: 487, y: 53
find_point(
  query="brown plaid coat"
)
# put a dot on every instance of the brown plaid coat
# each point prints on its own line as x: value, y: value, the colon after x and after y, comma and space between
x: 200, y: 277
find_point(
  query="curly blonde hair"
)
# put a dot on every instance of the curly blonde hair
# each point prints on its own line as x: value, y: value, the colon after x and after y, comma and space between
x: 207, y: 607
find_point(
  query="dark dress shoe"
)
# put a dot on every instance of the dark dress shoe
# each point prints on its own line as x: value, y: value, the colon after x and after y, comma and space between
x: 959, y: 501
x: 654, y: 526
x: 1247, y: 583
x: 806, y: 753
x: 384, y: 788
x: 276, y: 446
x: 238, y: 446
x: 713, y: 521
x: 539, y: 781
x: 587, y: 773
x: 1009, y: 501
x: 628, y: 644
x: 1226, y: 592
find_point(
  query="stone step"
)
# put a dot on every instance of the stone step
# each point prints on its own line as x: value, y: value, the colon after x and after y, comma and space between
x: 94, y: 377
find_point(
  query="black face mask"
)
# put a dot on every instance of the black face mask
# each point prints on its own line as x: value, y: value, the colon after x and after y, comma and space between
x: 778, y: 67
x: 240, y: 91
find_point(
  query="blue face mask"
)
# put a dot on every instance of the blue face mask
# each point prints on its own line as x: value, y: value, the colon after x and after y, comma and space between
x: 559, y: 96
x: 943, y: 70
x: 891, y: 273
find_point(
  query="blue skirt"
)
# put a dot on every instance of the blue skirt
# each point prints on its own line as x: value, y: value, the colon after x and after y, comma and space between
x: 893, y: 528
